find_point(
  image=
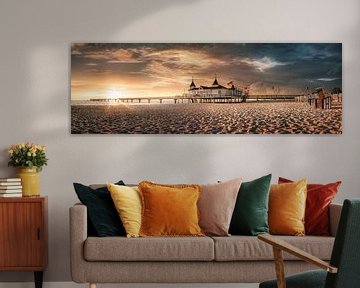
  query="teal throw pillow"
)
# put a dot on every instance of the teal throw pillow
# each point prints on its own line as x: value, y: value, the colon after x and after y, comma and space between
x: 250, y: 216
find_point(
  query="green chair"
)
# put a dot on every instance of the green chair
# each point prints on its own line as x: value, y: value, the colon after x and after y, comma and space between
x: 344, y: 268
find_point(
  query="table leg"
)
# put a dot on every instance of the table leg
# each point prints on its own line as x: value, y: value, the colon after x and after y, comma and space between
x: 38, y: 279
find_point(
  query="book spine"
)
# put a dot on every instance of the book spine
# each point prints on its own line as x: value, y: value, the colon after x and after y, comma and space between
x: 10, y: 180
x: 10, y: 184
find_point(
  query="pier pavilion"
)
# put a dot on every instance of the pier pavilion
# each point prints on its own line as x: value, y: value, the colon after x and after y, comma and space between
x: 215, y: 90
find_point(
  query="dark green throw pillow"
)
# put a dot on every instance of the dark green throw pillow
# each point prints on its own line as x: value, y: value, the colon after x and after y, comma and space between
x: 103, y: 219
x: 250, y: 216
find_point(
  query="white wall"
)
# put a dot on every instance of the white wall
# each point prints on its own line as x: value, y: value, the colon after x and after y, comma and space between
x: 35, y: 106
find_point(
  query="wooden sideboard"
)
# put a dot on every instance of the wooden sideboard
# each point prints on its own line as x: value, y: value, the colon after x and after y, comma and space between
x: 23, y: 235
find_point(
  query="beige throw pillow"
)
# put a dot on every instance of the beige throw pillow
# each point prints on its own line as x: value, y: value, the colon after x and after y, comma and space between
x: 216, y: 206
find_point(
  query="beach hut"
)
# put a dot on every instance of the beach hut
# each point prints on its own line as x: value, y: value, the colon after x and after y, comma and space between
x: 336, y: 94
x: 319, y: 99
x: 312, y: 98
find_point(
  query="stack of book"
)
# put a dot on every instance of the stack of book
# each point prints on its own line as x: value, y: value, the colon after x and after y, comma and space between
x: 10, y: 187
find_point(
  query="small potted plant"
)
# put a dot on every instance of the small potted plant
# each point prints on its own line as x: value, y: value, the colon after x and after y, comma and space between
x: 30, y: 158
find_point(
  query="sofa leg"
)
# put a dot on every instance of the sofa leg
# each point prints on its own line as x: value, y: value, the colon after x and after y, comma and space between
x: 92, y: 285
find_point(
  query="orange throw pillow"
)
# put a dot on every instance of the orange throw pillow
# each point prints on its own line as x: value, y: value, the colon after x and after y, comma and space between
x: 287, y: 204
x: 169, y: 210
x: 318, y: 200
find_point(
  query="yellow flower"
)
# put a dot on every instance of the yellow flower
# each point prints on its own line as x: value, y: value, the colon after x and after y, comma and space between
x: 11, y: 151
x: 29, y: 154
x: 40, y: 147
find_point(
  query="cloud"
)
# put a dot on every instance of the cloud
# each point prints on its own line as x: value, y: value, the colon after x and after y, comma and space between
x: 309, y: 52
x: 75, y: 52
x: 111, y: 56
x: 262, y: 64
x: 327, y: 79
x: 123, y: 61
x: 182, y: 58
x: 76, y: 48
x: 78, y: 83
x: 78, y: 45
x: 176, y: 66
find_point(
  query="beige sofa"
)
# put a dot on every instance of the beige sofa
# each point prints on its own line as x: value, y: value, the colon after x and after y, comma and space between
x: 234, y: 259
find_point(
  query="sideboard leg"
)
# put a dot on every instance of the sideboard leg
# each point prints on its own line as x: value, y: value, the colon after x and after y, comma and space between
x: 38, y: 279
x: 92, y: 285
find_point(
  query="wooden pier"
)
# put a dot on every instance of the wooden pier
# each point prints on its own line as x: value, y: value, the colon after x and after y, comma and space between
x: 195, y: 99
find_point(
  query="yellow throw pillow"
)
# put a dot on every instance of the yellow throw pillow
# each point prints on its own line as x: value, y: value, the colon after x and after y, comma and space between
x: 287, y: 204
x: 127, y: 201
x: 169, y: 210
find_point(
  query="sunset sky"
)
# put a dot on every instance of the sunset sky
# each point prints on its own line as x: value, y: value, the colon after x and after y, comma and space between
x: 110, y: 70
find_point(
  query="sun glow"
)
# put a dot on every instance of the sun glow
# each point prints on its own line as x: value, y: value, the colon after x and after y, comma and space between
x: 113, y: 93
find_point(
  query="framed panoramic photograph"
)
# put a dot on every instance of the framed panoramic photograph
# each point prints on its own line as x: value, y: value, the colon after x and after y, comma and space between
x: 206, y: 88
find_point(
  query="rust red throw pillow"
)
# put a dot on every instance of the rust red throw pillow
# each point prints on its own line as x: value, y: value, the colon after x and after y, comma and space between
x: 319, y: 197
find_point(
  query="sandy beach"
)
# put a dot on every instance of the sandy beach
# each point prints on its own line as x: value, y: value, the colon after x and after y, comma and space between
x: 240, y: 118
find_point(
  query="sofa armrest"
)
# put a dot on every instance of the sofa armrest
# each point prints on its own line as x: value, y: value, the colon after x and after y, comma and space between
x: 78, y: 235
x: 334, y: 217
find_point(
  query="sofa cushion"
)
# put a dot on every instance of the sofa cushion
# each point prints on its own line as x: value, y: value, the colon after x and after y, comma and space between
x: 149, y: 249
x: 127, y: 201
x: 250, y: 215
x: 216, y: 206
x: 102, y: 216
x: 318, y: 199
x: 244, y: 248
x: 169, y: 210
x: 287, y: 204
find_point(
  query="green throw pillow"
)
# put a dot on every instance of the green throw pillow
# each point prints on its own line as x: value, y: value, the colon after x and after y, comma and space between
x: 250, y: 215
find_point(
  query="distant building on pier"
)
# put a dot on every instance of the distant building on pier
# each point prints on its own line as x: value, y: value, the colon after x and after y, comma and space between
x: 214, y: 91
